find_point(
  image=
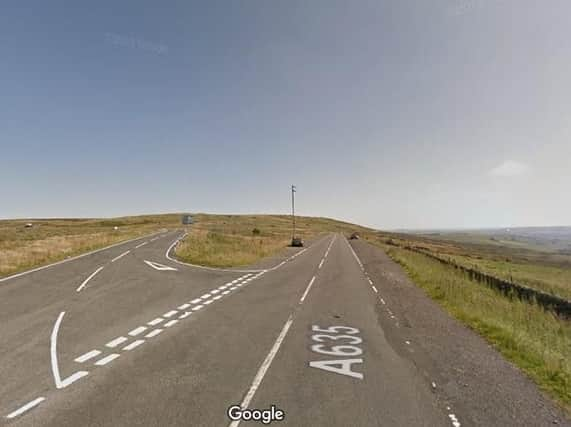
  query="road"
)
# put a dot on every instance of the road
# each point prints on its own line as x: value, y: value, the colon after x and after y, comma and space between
x: 129, y: 336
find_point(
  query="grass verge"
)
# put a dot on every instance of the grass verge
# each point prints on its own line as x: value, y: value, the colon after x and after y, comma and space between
x: 238, y: 240
x: 536, y: 341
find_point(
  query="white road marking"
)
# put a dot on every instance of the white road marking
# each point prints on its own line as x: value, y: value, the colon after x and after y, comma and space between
x: 217, y: 297
x: 133, y: 345
x: 120, y: 256
x: 375, y: 289
x: 208, y: 302
x: 195, y: 301
x: 307, y: 290
x: 223, y: 287
x: 137, y: 331
x: 370, y: 281
x: 159, y: 267
x: 225, y: 292
x: 407, y: 342
x: 171, y: 322
x: 153, y: 333
x: 235, y: 281
x: 198, y: 307
x: 234, y: 287
x: 107, y: 359
x: 264, y: 368
x: 53, y: 356
x: 185, y: 314
x: 321, y: 263
x: 383, y: 301
x: 205, y: 296
x: 155, y: 321
x: 140, y: 245
x: 89, y: 355
x: 80, y: 287
x: 25, y: 407
x: 184, y: 306
x: 454, y: 420
x: 170, y: 313
x: 117, y: 341
x: 214, y: 291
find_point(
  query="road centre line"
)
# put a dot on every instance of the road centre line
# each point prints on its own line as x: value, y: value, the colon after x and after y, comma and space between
x: 198, y: 307
x: 185, y: 314
x: 170, y: 313
x: 321, y: 263
x: 307, y: 290
x: 137, y: 331
x: 153, y: 333
x: 133, y: 345
x: 107, y: 359
x: 171, y: 323
x: 196, y: 300
x: 264, y: 368
x: 141, y: 245
x: 155, y: 321
x: 89, y: 355
x: 120, y: 256
x: 205, y: 296
x: 25, y: 407
x: 80, y: 287
x: 375, y: 289
x: 184, y: 306
x: 117, y: 341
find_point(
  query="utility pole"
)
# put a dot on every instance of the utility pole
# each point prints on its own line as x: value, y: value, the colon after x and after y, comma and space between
x: 293, y: 211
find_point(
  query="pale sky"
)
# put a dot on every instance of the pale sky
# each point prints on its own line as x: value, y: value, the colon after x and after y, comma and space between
x: 392, y: 114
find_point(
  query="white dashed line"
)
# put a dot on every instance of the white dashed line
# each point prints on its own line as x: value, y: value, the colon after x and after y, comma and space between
x: 140, y: 245
x: 383, y: 301
x: 156, y: 321
x: 120, y: 256
x: 25, y: 407
x: 184, y: 306
x: 321, y: 263
x: 89, y: 355
x: 133, y: 345
x: 80, y: 287
x: 184, y: 315
x: 195, y: 301
x: 171, y: 322
x: 264, y: 368
x: 116, y: 342
x: 217, y: 297
x: 454, y: 420
x: 137, y: 331
x: 370, y: 281
x: 107, y: 359
x: 225, y: 292
x: 153, y: 333
x: 214, y: 291
x: 198, y: 307
x: 170, y: 313
x: 375, y: 289
x: 307, y: 290
x: 234, y: 287
x: 208, y: 302
x: 205, y: 296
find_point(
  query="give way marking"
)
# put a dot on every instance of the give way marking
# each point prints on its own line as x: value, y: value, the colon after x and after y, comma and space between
x: 160, y: 267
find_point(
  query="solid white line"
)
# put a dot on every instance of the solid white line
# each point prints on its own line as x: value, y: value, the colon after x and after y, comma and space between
x: 196, y: 301
x: 155, y: 321
x: 264, y: 368
x: 23, y: 273
x: 375, y: 289
x: 120, y: 256
x: 89, y: 355
x: 137, y: 331
x: 26, y: 407
x: 170, y: 313
x: 321, y: 263
x: 133, y: 345
x: 116, y: 342
x: 184, y: 306
x: 307, y: 290
x: 171, y: 322
x: 153, y: 333
x: 107, y: 359
x: 141, y: 245
x: 88, y: 279
x: 198, y: 307
x: 53, y: 356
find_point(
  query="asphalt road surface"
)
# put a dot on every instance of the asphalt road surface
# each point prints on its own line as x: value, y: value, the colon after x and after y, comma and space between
x: 330, y: 335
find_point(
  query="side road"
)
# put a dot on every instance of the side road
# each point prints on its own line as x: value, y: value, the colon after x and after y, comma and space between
x: 470, y: 375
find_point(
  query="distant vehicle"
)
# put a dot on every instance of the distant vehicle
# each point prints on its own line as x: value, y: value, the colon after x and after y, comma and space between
x: 29, y: 225
x: 296, y: 242
x: 187, y: 219
x: 355, y: 236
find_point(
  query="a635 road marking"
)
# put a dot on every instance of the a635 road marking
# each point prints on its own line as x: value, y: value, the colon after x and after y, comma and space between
x: 341, y: 342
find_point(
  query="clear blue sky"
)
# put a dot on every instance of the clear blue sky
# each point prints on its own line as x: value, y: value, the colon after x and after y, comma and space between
x: 387, y: 113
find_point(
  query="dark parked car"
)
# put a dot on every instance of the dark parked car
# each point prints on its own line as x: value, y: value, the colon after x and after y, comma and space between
x: 296, y: 242
x: 354, y: 236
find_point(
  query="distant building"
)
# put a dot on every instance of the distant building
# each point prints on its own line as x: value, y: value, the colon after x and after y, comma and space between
x: 187, y: 219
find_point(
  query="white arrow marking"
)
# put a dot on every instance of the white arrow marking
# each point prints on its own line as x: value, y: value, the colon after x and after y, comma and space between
x: 159, y: 267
